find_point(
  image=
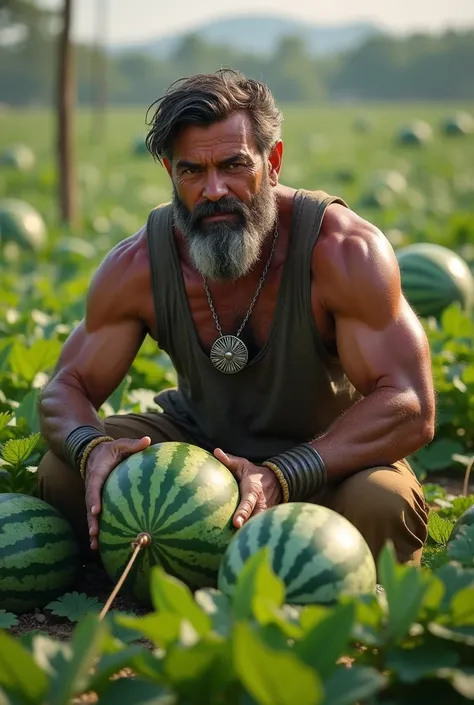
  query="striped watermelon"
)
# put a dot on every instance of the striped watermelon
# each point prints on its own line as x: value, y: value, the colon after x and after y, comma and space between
x: 39, y: 554
x: 434, y: 277
x: 184, y: 498
x: 316, y: 552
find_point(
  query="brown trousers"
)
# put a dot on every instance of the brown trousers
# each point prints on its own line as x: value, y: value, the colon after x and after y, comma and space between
x: 382, y: 502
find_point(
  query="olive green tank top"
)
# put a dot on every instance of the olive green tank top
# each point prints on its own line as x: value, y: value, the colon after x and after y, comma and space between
x: 290, y: 392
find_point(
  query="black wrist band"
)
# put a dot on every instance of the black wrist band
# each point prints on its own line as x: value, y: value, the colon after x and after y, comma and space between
x: 77, y: 441
x: 303, y: 469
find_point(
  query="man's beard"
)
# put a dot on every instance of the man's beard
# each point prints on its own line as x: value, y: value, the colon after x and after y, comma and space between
x: 227, y: 249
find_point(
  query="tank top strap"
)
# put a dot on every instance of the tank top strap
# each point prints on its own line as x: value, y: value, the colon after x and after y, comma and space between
x: 159, y: 228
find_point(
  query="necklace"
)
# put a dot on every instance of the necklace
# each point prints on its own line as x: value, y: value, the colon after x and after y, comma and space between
x: 229, y: 354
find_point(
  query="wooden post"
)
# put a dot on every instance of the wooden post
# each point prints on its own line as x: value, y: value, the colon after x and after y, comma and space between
x: 99, y: 76
x: 65, y: 122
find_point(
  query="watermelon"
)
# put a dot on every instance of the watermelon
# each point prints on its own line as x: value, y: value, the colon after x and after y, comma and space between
x: 466, y: 519
x: 434, y: 277
x: 22, y: 224
x: 415, y: 133
x: 39, y: 554
x: 317, y: 553
x: 18, y: 156
x: 184, y: 498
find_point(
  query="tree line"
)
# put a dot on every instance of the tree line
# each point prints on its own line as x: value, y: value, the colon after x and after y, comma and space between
x: 418, y: 67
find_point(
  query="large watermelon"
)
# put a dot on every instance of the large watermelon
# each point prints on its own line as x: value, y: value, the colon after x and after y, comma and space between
x: 466, y: 519
x: 316, y: 552
x: 184, y: 498
x: 434, y: 277
x: 39, y: 554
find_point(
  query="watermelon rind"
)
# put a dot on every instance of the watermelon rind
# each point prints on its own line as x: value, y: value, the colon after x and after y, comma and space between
x: 184, y: 498
x: 39, y: 553
x: 317, y: 553
x: 22, y: 224
x: 434, y: 277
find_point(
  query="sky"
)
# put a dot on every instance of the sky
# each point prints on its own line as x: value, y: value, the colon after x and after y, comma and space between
x: 131, y: 21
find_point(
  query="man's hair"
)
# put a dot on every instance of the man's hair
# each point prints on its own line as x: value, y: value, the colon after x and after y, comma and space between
x: 208, y: 98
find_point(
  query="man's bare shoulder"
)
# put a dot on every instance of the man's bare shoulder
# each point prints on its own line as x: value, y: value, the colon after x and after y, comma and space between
x: 121, y: 279
x: 353, y: 261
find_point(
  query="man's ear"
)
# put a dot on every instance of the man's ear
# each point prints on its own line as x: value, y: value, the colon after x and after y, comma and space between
x: 168, y: 167
x: 275, y: 160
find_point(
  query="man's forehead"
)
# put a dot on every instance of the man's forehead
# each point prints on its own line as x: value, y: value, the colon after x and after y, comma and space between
x: 234, y: 133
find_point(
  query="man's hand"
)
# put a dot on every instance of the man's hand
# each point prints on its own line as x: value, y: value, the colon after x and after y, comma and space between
x: 259, y: 487
x: 100, y: 463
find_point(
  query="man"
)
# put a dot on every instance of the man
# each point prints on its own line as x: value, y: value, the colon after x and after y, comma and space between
x: 300, y: 364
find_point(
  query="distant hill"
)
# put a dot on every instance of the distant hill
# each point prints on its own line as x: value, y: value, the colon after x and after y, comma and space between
x: 260, y: 34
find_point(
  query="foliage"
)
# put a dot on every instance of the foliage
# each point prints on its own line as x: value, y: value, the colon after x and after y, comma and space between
x: 417, y: 634
x: 74, y: 606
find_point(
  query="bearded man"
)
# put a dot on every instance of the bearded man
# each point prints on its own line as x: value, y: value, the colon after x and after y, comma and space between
x: 300, y: 364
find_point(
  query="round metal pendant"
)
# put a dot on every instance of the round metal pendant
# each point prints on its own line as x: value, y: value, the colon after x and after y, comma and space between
x: 229, y: 354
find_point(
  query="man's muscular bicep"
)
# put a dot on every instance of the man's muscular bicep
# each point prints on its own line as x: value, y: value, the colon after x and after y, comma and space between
x: 380, y: 341
x: 98, y: 353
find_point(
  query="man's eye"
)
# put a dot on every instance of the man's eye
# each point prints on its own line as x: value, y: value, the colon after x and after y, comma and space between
x: 235, y: 165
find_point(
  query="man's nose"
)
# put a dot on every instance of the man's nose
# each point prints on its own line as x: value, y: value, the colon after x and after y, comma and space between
x: 215, y: 187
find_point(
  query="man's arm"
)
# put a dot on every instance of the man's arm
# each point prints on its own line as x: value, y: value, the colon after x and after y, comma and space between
x: 382, y: 347
x: 97, y: 355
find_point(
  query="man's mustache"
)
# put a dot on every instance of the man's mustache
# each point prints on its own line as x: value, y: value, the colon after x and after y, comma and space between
x: 223, y: 206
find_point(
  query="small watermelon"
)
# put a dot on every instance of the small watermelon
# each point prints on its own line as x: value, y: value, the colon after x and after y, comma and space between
x: 317, y: 553
x: 466, y: 519
x: 18, y: 156
x: 39, y: 554
x: 22, y: 224
x: 434, y: 277
x: 184, y: 498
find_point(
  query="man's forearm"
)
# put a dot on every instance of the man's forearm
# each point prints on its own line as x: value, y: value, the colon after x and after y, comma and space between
x: 63, y: 407
x: 382, y: 428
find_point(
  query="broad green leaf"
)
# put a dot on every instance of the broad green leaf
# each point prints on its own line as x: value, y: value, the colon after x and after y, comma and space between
x: 17, y: 450
x: 72, y: 675
x: 348, y: 686
x: 163, y: 629
x: 7, y: 619
x: 454, y: 579
x: 218, y: 607
x: 190, y: 669
x: 5, y: 354
x: 438, y: 455
x: 461, y: 548
x: 138, y: 692
x: 405, y: 587
x: 74, y: 606
x: 273, y: 677
x: 169, y: 594
x: 109, y: 664
x: 120, y: 632
x: 367, y: 626
x: 257, y: 580
x: 439, y: 529
x: 15, y: 663
x: 462, y: 607
x: 411, y: 665
x: 324, y: 643
x: 456, y: 324
x: 116, y: 398
x: 26, y: 362
x: 28, y: 410
x: 5, y: 418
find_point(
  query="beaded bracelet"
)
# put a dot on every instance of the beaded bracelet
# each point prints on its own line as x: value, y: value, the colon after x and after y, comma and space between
x: 87, y: 451
x: 77, y: 441
x: 301, y: 472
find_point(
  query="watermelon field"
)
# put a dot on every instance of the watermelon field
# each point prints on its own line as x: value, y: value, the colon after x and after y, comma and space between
x: 410, y: 170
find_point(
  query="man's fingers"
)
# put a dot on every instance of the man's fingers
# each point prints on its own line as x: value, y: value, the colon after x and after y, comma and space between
x: 250, y: 497
x: 232, y: 462
x: 127, y: 446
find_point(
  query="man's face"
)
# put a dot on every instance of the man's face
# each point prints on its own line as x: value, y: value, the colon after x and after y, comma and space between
x: 223, y: 198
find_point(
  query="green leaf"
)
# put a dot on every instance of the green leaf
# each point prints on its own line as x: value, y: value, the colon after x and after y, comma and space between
x: 7, y: 619
x: 334, y: 632
x: 411, y: 665
x: 438, y: 455
x: 15, y: 664
x: 72, y: 666
x: 462, y: 680
x: 273, y: 677
x: 17, y: 450
x: 5, y: 354
x: 439, y: 529
x: 5, y: 418
x: 348, y: 686
x: 461, y: 548
x: 28, y: 410
x: 26, y: 362
x: 169, y: 594
x: 124, y: 634
x: 138, y: 692
x: 109, y: 664
x: 162, y: 629
x: 117, y: 397
x: 257, y: 580
x: 462, y: 607
x: 74, y: 606
x: 456, y: 323
x: 218, y: 607
x: 454, y: 578
x: 405, y: 587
